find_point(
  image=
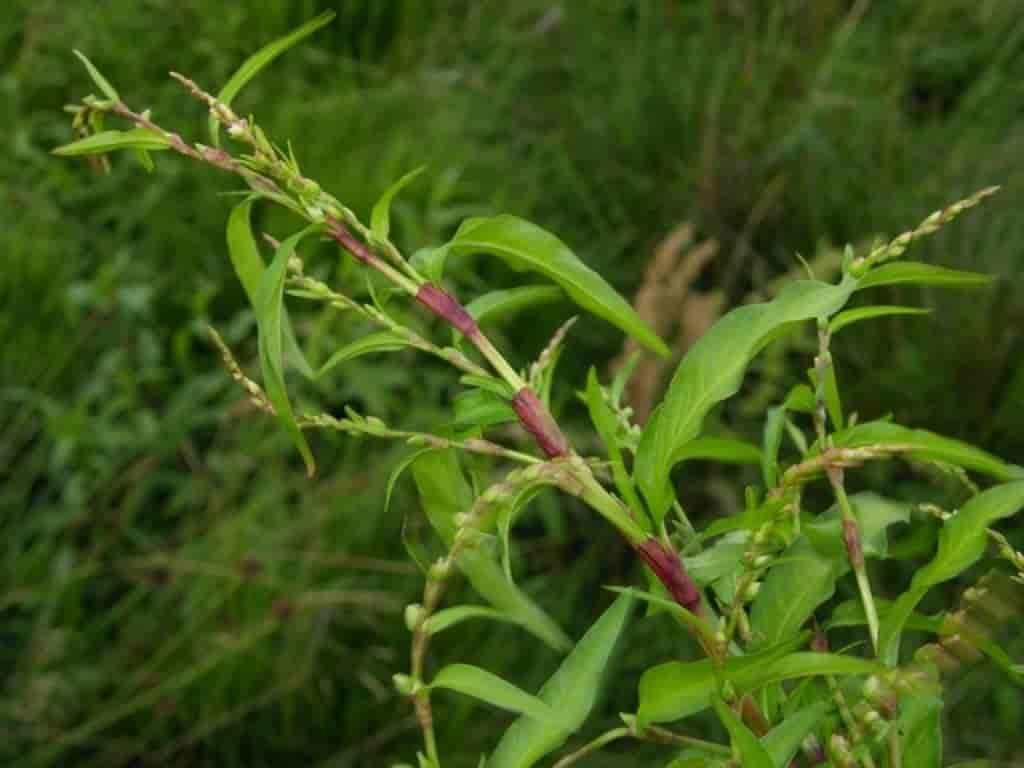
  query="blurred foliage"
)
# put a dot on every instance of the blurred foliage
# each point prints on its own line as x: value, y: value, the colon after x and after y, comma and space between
x: 174, y: 591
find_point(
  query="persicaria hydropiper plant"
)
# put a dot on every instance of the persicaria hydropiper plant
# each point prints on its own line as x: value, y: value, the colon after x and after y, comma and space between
x: 754, y: 590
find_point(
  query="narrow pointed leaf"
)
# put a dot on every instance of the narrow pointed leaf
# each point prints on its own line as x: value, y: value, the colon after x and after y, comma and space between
x: 269, y: 314
x: 248, y: 265
x: 920, y: 727
x: 383, y: 341
x: 925, y: 445
x: 101, y: 82
x: 525, y: 246
x: 915, y: 272
x: 751, y: 752
x: 962, y: 542
x: 255, y: 63
x: 450, y: 617
x: 723, y: 449
x: 111, y: 141
x: 572, y: 691
x: 713, y: 370
x: 496, y: 691
x: 380, y: 217
x: 851, y: 316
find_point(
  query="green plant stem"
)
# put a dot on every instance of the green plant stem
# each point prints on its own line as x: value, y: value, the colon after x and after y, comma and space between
x: 601, y: 741
x: 657, y: 735
x: 852, y: 535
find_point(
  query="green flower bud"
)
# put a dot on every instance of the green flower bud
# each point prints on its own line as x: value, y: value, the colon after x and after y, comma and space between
x: 413, y: 616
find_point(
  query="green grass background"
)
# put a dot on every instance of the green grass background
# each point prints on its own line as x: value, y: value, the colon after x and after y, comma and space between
x: 173, y: 591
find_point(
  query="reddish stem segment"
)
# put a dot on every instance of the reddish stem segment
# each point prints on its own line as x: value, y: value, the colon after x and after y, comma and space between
x: 447, y: 308
x: 671, y: 572
x: 539, y: 423
x: 851, y: 537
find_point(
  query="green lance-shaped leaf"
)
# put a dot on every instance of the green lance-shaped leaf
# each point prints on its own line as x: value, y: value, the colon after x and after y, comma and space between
x: 255, y: 63
x: 383, y: 341
x: 925, y: 445
x: 450, y: 617
x: 572, y: 691
x: 727, y: 450
x: 525, y: 246
x: 962, y: 542
x: 249, y: 267
x: 496, y: 305
x: 444, y: 492
x: 101, y: 82
x: 793, y: 589
x: 915, y: 272
x: 676, y: 689
x: 713, y: 370
x: 607, y: 426
x: 111, y: 141
x: 269, y: 316
x: 496, y: 691
x: 851, y: 316
x: 782, y: 742
x: 752, y: 753
x: 380, y: 216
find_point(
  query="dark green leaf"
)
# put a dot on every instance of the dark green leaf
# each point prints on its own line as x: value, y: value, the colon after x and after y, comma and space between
x: 713, y: 371
x: 382, y: 341
x: 496, y: 691
x: 525, y: 246
x: 962, y: 542
x: 745, y: 743
x: 101, y: 82
x: 255, y: 63
x: 800, y: 399
x: 899, y: 272
x: 269, y: 312
x: 792, y: 591
x: 380, y: 217
x: 248, y: 264
x: 571, y: 691
x: 925, y: 445
x: 111, y: 141
x: 851, y: 316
